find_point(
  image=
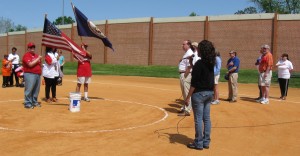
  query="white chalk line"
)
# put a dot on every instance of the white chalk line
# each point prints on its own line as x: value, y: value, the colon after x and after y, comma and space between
x: 94, y: 131
x: 138, y: 86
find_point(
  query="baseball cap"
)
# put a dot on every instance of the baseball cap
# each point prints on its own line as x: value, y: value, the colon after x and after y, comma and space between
x: 195, y: 44
x: 265, y: 46
x: 30, y: 44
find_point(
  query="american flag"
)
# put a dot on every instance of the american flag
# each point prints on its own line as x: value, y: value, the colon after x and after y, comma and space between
x: 53, y: 37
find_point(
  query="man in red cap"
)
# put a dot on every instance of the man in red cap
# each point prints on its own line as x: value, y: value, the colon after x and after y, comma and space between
x: 84, y: 73
x: 32, y: 74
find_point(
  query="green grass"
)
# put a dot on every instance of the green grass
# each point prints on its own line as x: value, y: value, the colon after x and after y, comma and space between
x: 245, y: 75
x: 127, y: 70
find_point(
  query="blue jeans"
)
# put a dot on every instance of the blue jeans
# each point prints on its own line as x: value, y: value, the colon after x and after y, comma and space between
x: 32, y: 88
x: 201, y: 107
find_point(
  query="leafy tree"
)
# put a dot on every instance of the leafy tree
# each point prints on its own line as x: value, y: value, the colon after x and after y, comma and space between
x: 279, y: 6
x: 20, y: 28
x: 193, y: 14
x: 5, y: 25
x: 67, y: 20
x: 249, y: 10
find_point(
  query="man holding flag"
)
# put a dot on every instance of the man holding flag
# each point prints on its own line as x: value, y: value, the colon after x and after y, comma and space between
x: 84, y: 73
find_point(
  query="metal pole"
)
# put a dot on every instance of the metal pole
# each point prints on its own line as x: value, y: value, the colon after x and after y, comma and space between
x: 63, y: 16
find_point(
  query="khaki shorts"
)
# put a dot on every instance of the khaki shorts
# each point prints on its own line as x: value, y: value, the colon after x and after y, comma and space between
x: 217, y: 77
x: 265, y: 81
x: 83, y: 80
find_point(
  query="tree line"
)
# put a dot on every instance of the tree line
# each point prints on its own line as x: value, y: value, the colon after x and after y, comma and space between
x: 7, y: 25
x: 269, y: 6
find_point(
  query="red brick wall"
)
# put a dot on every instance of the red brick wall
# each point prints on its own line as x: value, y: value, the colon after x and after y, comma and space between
x: 168, y: 38
x: 245, y: 37
x: 131, y: 43
x: 289, y: 41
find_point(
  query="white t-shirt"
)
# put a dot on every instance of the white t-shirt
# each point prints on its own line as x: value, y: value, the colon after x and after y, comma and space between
x: 284, y: 68
x: 15, y: 61
x: 196, y: 57
x: 184, y: 63
x: 52, y: 70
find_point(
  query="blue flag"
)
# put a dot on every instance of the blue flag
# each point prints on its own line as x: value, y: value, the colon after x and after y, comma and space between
x: 88, y: 28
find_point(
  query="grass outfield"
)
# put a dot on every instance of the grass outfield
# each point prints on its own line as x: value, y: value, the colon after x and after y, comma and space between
x: 245, y: 75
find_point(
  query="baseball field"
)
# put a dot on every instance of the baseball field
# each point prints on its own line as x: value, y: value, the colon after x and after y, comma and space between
x: 130, y: 115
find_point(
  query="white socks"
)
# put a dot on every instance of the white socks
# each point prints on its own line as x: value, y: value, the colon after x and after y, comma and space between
x: 85, y: 94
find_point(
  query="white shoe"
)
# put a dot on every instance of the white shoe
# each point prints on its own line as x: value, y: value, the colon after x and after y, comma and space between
x: 215, y: 102
x: 86, y: 99
x: 259, y: 100
x: 265, y: 102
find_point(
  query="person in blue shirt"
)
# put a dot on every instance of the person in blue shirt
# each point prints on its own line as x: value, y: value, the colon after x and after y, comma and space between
x: 233, y: 65
x: 217, y: 69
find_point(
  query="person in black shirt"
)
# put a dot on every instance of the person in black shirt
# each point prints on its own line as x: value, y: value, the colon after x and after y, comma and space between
x: 202, y: 93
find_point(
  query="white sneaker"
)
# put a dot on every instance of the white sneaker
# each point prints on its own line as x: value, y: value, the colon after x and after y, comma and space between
x: 86, y: 99
x: 259, y: 100
x: 215, y: 102
x: 265, y: 102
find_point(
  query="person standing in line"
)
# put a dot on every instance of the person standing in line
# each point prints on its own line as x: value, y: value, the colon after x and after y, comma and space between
x: 285, y: 67
x: 257, y: 66
x: 217, y: 70
x: 233, y: 65
x: 201, y: 93
x: 265, y: 69
x: 61, y: 60
x: 84, y: 73
x: 15, y: 59
x: 50, y: 74
x: 32, y: 76
x: 185, y: 75
x: 6, y: 70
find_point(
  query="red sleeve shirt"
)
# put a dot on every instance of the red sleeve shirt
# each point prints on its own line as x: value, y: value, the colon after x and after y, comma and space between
x: 29, y: 57
x: 84, y: 69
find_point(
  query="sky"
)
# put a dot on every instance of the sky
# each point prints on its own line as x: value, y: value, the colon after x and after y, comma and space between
x: 31, y: 13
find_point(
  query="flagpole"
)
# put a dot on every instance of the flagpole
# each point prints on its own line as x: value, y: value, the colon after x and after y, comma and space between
x: 63, y: 13
x: 75, y: 17
x: 43, y: 48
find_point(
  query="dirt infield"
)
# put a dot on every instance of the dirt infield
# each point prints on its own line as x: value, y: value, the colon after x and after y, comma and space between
x: 138, y: 116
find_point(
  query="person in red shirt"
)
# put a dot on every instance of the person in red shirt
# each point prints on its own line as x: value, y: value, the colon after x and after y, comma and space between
x: 84, y: 73
x: 6, y: 70
x: 32, y: 76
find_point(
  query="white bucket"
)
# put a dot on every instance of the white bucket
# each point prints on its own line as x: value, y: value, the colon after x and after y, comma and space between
x: 75, y: 98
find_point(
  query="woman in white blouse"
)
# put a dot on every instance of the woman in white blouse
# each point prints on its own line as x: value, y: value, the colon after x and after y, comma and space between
x: 284, y: 73
x: 51, y: 73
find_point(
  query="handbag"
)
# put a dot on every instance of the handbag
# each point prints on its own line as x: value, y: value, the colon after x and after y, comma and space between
x: 226, y: 76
